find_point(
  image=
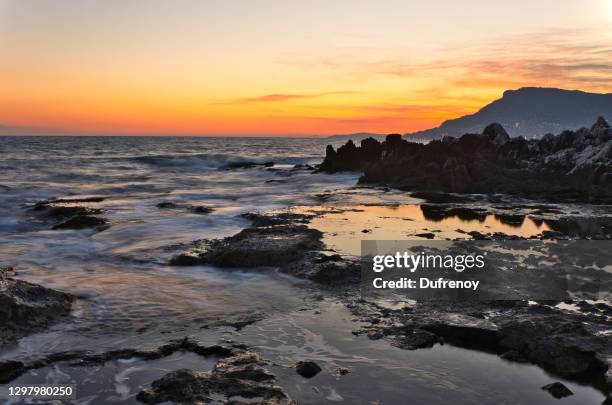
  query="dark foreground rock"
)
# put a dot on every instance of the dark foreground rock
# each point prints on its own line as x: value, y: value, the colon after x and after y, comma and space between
x: 574, y: 165
x: 258, y: 247
x: 275, y: 240
x: 248, y: 165
x: 307, y: 369
x: 26, y: 308
x: 242, y: 377
x: 558, y: 390
x: 9, y: 370
x: 572, y: 345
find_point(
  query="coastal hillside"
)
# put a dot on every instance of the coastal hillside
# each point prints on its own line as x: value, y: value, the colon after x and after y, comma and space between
x: 530, y: 112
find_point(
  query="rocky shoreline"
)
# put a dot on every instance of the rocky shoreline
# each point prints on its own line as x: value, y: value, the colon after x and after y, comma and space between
x: 571, y: 166
x: 571, y: 344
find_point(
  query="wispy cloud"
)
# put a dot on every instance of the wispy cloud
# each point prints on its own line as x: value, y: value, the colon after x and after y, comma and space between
x: 568, y: 58
x: 281, y: 97
x: 272, y: 98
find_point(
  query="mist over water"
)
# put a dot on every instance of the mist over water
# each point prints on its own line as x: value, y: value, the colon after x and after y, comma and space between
x: 121, y: 273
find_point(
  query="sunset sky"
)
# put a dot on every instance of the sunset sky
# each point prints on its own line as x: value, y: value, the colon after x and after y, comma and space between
x: 270, y: 67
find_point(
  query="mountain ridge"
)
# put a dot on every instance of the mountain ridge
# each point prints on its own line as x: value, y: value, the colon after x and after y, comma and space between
x: 530, y: 112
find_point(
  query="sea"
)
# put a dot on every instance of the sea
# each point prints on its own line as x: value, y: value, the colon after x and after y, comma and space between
x: 129, y: 297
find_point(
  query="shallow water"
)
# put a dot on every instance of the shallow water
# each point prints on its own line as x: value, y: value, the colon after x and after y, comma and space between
x: 129, y: 297
x: 345, y: 226
x: 384, y: 374
x: 379, y: 373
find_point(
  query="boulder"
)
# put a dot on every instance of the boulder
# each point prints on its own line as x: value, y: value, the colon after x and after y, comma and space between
x: 9, y: 370
x: 239, y: 377
x: 307, y: 369
x: 558, y: 390
x: 257, y: 247
x: 26, y: 308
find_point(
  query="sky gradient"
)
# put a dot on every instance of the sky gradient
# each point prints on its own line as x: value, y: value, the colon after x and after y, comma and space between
x: 196, y: 67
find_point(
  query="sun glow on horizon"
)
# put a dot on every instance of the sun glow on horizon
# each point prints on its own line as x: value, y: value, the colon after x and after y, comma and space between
x: 315, y: 68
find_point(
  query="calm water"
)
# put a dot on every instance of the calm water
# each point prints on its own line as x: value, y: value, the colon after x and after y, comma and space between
x: 129, y: 297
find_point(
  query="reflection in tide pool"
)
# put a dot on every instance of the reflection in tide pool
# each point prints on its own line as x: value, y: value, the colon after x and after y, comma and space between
x: 346, y: 226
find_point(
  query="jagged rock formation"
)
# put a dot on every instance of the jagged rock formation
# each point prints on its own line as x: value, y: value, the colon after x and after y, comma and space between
x: 571, y: 165
x: 275, y: 240
x: 571, y: 345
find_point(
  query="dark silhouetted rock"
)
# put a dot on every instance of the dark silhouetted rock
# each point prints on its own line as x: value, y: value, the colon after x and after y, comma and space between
x: 166, y: 205
x: 200, y: 209
x: 558, y: 390
x: 574, y: 165
x: 496, y: 133
x: 82, y: 222
x: 307, y: 369
x: 9, y: 370
x: 248, y: 165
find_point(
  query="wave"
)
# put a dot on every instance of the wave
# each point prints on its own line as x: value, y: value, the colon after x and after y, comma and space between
x: 212, y: 161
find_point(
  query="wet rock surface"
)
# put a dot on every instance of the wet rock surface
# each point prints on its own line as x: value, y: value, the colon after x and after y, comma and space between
x: 568, y: 344
x: 70, y: 214
x: 558, y: 390
x: 563, y: 223
x: 307, y: 369
x: 574, y: 165
x: 26, y: 308
x: 248, y: 165
x: 572, y: 345
x: 274, y: 240
x: 258, y: 247
x: 240, y: 377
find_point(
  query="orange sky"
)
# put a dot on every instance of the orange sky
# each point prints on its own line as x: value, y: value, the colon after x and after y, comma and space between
x: 285, y: 68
